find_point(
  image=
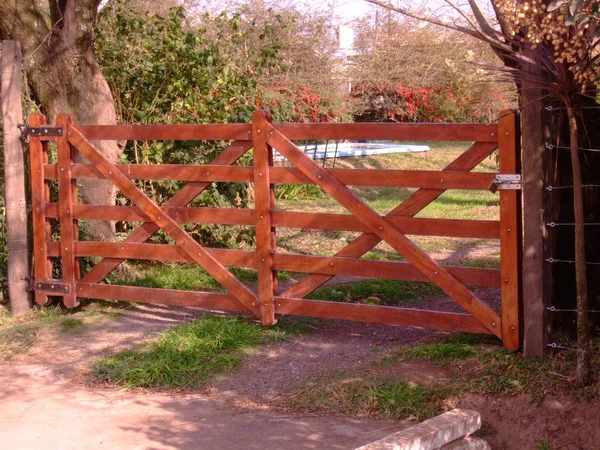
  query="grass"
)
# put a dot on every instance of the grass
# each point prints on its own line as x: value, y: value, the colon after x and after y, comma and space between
x: 377, y: 292
x: 474, y: 365
x: 190, y: 354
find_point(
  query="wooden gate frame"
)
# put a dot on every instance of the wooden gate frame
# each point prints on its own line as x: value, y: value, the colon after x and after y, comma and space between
x: 268, y: 303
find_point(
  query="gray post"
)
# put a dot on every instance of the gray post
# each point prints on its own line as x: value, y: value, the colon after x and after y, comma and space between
x: 14, y: 179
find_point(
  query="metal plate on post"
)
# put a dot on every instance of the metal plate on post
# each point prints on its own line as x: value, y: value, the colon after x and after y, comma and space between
x: 43, y: 132
x: 52, y: 287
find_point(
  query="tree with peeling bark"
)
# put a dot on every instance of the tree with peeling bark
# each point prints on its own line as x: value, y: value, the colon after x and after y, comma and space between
x: 549, y: 47
x: 57, y: 39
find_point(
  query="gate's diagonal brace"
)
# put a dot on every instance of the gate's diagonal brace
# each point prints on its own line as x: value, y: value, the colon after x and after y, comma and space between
x: 184, y: 196
x: 162, y: 220
x: 409, y: 207
x: 378, y: 225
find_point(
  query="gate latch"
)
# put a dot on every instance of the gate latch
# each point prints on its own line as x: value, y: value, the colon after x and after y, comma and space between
x: 506, y: 181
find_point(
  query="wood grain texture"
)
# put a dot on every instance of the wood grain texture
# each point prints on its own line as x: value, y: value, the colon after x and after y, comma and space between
x: 39, y: 197
x: 392, y: 270
x: 409, y: 207
x: 194, y: 132
x: 289, y: 175
x: 486, y: 229
x: 183, y: 197
x: 262, y: 216
x: 168, y: 225
x: 380, y: 314
x: 427, y: 266
x: 390, y: 131
x: 510, y: 237
x: 213, y: 300
x: 65, y: 212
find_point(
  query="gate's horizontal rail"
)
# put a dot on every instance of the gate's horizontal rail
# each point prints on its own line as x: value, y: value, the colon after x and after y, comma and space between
x: 171, y: 297
x: 380, y: 314
x: 313, y: 308
x: 487, y: 229
x: 292, y: 263
x: 312, y: 131
x: 287, y: 175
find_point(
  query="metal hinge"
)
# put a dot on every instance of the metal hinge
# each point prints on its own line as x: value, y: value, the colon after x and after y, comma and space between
x: 53, y: 287
x: 506, y: 182
x: 42, y: 132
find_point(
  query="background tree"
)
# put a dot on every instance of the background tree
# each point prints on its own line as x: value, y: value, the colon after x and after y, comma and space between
x: 548, y: 49
x: 57, y: 39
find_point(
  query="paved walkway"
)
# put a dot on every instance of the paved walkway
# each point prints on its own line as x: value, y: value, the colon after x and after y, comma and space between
x: 38, y: 410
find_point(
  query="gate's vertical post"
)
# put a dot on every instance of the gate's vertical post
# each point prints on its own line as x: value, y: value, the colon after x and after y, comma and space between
x: 40, y: 195
x: 65, y: 210
x: 510, y: 226
x: 262, y: 211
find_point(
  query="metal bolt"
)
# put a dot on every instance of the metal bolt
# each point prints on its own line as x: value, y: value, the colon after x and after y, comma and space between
x: 512, y: 328
x: 493, y: 134
x: 493, y: 324
x: 435, y: 273
x: 261, y: 217
x: 258, y: 131
x: 507, y: 133
x: 265, y: 304
x: 263, y: 259
x: 260, y: 174
x: 331, y: 264
x: 62, y: 169
x: 158, y: 218
x: 381, y: 228
x: 319, y: 177
x: 122, y: 248
x: 66, y: 249
x: 110, y: 172
x: 508, y: 229
x: 39, y: 171
x: 207, y: 173
x: 52, y: 286
x: 506, y: 280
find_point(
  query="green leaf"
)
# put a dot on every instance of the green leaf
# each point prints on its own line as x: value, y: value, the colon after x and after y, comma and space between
x: 555, y: 5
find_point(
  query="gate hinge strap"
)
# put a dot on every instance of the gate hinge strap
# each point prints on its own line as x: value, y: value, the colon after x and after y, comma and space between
x: 506, y: 181
x: 53, y: 287
x: 42, y: 132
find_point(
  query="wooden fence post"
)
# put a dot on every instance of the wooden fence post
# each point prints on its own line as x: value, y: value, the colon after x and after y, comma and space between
x: 14, y: 180
x: 510, y: 230
x: 263, y: 200
x: 66, y: 189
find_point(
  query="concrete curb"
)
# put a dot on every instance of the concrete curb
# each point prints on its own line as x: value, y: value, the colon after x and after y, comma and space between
x: 449, y: 428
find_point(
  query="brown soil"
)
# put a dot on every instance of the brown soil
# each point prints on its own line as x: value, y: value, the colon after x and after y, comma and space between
x: 272, y: 371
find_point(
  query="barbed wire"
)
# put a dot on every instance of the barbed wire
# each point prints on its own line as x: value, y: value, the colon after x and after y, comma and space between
x: 570, y: 186
x: 556, y: 346
x: 554, y: 309
x: 559, y: 224
x: 552, y: 147
x: 561, y: 108
x: 568, y: 261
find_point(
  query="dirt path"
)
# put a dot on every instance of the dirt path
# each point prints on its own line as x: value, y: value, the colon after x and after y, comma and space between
x: 40, y: 410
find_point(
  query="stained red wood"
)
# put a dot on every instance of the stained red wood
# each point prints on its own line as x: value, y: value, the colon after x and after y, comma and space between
x: 195, y: 132
x: 155, y: 252
x: 380, y: 269
x: 292, y: 263
x: 409, y: 207
x: 290, y: 175
x: 390, y: 131
x: 392, y: 178
x: 183, y: 197
x: 433, y: 271
x: 380, y: 314
x: 37, y: 156
x: 213, y: 300
x: 262, y: 216
x: 65, y: 213
x: 168, y: 225
x: 487, y: 229
x: 509, y: 154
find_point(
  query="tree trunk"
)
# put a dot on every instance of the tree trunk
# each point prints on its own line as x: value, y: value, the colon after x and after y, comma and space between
x: 65, y: 77
x: 583, y: 338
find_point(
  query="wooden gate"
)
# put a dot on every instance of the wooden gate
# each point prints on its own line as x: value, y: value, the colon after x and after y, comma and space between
x: 268, y: 302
